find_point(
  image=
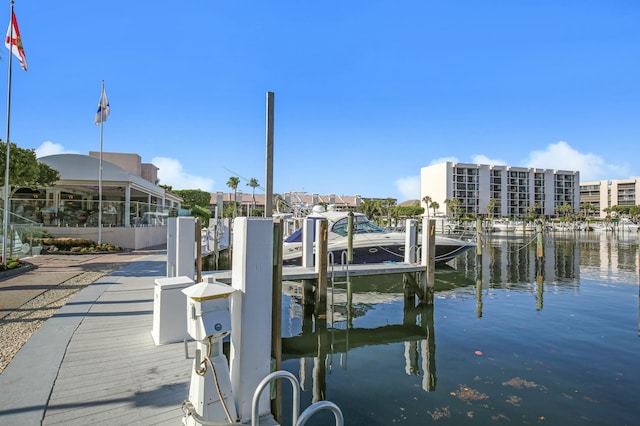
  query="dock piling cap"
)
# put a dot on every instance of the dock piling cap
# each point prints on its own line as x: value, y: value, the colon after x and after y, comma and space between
x: 208, y: 291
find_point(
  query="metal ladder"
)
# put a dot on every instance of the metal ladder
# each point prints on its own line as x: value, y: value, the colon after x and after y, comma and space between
x: 306, y: 414
x: 344, y: 266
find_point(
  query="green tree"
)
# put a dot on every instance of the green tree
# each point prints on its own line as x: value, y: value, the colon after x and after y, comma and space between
x: 452, y: 206
x: 389, y: 204
x: 491, y: 207
x: 202, y: 213
x: 253, y: 183
x: 532, y: 212
x: 233, y: 183
x: 564, y: 210
x: 25, y: 169
x: 194, y: 197
x: 427, y: 201
x: 370, y: 208
x: 410, y: 212
x: 435, y: 206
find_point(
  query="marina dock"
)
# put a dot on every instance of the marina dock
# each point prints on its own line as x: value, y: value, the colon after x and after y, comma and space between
x: 95, y: 362
x: 293, y: 273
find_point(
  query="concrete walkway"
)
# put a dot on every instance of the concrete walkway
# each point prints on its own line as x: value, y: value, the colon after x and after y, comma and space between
x: 95, y: 362
x: 48, y: 272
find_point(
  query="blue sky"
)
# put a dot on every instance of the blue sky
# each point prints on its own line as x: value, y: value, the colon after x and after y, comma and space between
x: 366, y: 92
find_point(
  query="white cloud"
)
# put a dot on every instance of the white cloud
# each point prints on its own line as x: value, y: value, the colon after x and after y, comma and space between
x: 483, y: 159
x: 443, y: 160
x: 170, y: 173
x: 50, y: 148
x: 561, y: 156
x: 409, y: 187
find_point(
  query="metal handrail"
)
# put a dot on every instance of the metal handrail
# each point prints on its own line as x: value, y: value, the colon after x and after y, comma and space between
x: 321, y: 405
x: 276, y: 375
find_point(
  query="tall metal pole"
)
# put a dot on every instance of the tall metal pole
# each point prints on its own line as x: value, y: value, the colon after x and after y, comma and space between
x: 5, y: 221
x: 100, y: 173
x: 268, y: 200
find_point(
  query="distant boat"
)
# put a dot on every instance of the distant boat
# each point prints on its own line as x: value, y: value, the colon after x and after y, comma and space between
x: 371, y: 243
x: 503, y: 226
x: 628, y: 225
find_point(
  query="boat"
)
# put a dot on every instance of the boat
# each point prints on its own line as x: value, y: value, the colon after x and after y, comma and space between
x: 371, y: 243
x: 503, y: 226
x: 627, y: 225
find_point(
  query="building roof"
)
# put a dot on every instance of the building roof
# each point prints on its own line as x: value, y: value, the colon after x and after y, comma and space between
x: 84, y: 169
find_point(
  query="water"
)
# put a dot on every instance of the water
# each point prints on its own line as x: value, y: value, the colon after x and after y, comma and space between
x: 517, y: 343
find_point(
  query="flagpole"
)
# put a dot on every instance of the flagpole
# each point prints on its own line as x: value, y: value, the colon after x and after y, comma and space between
x: 5, y: 221
x: 100, y: 174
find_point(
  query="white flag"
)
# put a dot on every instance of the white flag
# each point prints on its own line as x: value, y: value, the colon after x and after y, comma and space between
x: 103, y: 108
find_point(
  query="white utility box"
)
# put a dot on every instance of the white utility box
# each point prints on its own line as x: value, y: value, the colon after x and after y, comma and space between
x: 169, y: 313
x: 208, y: 309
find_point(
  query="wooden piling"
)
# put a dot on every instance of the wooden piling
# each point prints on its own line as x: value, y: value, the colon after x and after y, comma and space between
x: 479, y: 237
x: 428, y: 259
x: 268, y: 194
x: 276, y: 315
x: 350, y: 237
x: 479, y: 289
x: 540, y: 244
x: 322, y: 255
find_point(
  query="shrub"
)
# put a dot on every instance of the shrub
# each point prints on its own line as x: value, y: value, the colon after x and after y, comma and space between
x: 11, y: 264
x: 76, y: 245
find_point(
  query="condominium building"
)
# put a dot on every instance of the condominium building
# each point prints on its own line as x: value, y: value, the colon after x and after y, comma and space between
x: 605, y: 194
x: 513, y: 189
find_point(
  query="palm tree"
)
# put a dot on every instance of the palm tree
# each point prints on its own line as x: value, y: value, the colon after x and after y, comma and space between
x: 564, y: 210
x: 427, y: 201
x: 370, y: 208
x: 491, y: 207
x: 233, y: 184
x: 435, y: 206
x: 253, y: 183
x: 389, y: 204
x: 452, y: 206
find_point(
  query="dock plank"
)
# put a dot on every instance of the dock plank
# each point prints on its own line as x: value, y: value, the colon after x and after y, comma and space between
x: 112, y: 371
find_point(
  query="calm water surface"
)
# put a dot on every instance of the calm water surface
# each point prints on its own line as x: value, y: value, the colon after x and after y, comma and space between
x: 511, y: 341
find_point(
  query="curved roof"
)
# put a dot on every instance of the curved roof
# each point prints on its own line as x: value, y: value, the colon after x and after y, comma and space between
x: 78, y: 167
x: 85, y: 167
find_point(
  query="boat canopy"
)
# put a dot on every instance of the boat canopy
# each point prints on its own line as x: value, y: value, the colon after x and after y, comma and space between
x: 361, y: 225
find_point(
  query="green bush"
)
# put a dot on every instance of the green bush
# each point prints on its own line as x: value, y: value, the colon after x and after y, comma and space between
x: 11, y: 264
x: 76, y: 245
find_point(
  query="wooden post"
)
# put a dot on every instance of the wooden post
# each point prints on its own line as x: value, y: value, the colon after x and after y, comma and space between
x: 479, y: 288
x: 540, y: 244
x: 322, y: 228
x: 540, y: 253
x: 428, y: 258
x: 276, y: 315
x: 350, y: 238
x: 268, y: 193
x: 479, y: 237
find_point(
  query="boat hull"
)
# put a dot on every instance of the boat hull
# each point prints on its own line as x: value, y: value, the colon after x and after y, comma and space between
x: 378, y: 254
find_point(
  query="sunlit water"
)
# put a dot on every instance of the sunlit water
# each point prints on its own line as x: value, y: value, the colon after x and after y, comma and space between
x: 519, y: 343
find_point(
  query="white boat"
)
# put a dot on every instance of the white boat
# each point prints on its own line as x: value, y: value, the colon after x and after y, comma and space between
x: 627, y: 225
x: 503, y: 226
x: 371, y: 244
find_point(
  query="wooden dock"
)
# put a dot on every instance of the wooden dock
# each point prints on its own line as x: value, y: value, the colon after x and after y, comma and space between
x: 294, y: 273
